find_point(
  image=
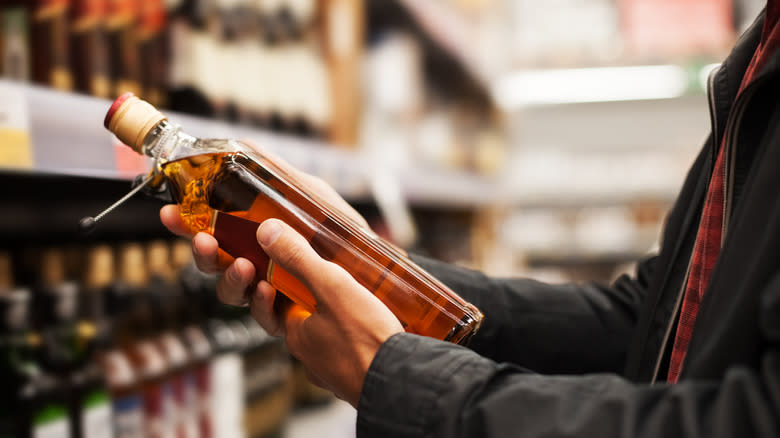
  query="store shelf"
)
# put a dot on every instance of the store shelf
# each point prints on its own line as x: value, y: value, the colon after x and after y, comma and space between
x: 68, y: 138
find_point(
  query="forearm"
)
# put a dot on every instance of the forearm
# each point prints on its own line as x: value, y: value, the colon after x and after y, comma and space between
x: 549, y: 328
x: 421, y: 387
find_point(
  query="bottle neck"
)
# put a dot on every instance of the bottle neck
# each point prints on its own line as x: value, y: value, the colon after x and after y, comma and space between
x: 163, y: 142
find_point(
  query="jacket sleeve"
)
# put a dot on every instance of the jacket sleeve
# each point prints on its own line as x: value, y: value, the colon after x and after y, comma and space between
x: 561, y: 329
x: 420, y: 387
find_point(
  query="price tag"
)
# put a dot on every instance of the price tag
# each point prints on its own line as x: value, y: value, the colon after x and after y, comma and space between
x: 15, y: 144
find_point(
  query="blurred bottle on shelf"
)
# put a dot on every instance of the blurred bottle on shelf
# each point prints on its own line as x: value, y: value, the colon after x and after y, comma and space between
x: 149, y: 363
x: 192, y: 310
x: 124, y: 382
x: 50, y: 42
x: 186, y: 35
x: 67, y: 347
x: 33, y: 402
x: 165, y: 302
x: 247, y: 51
x: 123, y: 47
x: 218, y: 81
x: 342, y: 30
x: 152, y: 47
x: 89, y: 47
x: 268, y: 382
x: 227, y: 398
x: 15, y: 55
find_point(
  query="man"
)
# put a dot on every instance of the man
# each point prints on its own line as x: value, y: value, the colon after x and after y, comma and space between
x: 689, y: 347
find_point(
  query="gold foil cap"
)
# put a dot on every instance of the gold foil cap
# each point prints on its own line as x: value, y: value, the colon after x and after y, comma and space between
x: 99, y: 271
x: 52, y: 267
x: 131, y: 119
x: 158, y: 259
x: 181, y: 254
x: 132, y: 265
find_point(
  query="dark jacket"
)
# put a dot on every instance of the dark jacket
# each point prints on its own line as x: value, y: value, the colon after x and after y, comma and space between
x: 590, y: 360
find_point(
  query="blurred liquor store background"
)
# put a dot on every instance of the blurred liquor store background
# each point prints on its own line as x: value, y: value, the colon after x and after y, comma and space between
x: 542, y: 139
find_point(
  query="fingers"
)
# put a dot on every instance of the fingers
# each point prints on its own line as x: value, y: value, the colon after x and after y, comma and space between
x: 262, y: 308
x: 170, y: 217
x: 205, y: 250
x: 290, y: 251
x: 232, y: 286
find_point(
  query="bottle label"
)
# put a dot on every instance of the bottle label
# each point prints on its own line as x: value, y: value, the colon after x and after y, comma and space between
x: 51, y: 422
x: 185, y: 393
x: 96, y: 416
x: 203, y: 387
x: 129, y: 417
x: 160, y: 411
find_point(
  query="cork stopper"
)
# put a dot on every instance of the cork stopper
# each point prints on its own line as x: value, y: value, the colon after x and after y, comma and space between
x: 158, y: 259
x: 131, y: 119
x: 181, y: 254
x: 100, y: 267
x: 52, y: 267
x: 132, y: 268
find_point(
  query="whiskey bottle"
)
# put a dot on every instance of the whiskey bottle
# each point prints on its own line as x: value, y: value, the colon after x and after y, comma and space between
x: 50, y: 44
x: 33, y: 402
x: 89, y: 47
x: 67, y: 346
x: 164, y: 308
x: 226, y: 188
x: 124, y: 63
x: 192, y: 316
x: 124, y: 382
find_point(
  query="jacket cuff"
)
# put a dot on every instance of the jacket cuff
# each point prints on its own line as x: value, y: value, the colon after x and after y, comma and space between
x: 405, y: 383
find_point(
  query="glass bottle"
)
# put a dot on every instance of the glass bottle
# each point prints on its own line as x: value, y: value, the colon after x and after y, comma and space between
x: 89, y: 47
x: 33, y: 401
x: 164, y: 306
x: 149, y: 364
x: 124, y: 62
x: 192, y: 314
x: 107, y: 293
x: 67, y: 347
x: 50, y: 44
x: 226, y: 188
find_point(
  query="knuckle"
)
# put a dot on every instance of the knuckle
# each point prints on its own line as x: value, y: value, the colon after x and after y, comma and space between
x: 293, y: 257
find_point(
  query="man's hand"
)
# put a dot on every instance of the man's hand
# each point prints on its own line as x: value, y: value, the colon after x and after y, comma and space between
x: 337, y: 343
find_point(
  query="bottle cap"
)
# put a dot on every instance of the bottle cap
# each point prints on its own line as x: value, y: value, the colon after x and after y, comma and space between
x: 132, y: 265
x: 181, y: 254
x: 52, y: 267
x: 158, y: 259
x: 131, y: 119
x: 99, y: 271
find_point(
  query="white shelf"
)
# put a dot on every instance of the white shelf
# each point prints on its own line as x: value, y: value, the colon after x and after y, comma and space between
x: 68, y: 138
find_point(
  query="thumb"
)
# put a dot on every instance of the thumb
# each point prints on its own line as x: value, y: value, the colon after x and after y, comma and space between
x: 293, y: 253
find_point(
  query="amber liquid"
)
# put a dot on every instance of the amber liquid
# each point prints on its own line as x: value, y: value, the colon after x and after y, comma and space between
x: 230, y: 194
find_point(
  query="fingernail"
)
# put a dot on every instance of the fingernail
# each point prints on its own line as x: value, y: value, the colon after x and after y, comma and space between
x: 268, y: 232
